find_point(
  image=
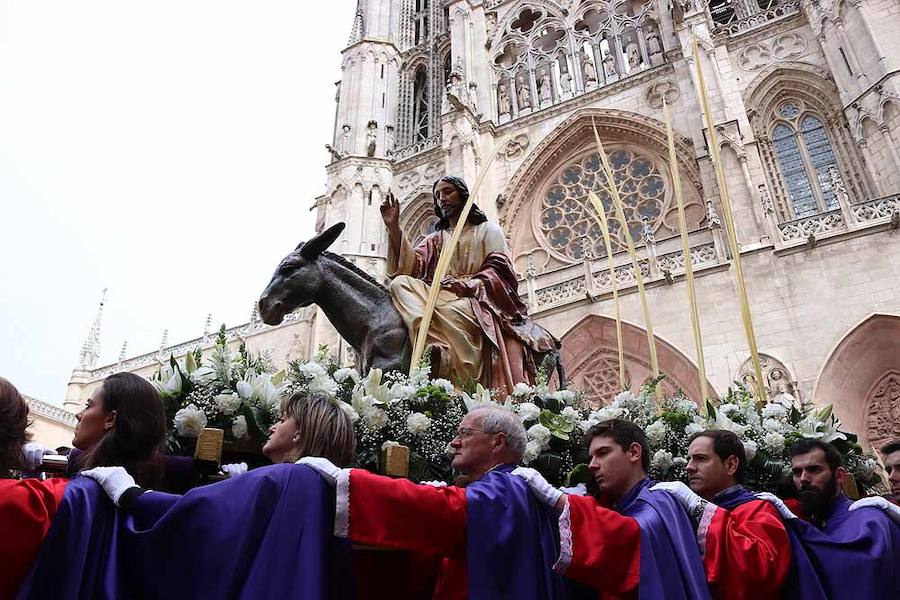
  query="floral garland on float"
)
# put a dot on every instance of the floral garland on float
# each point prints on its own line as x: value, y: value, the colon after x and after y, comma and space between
x: 241, y: 393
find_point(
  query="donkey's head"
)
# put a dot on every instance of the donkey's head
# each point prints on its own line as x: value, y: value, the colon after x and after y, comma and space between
x: 297, y: 279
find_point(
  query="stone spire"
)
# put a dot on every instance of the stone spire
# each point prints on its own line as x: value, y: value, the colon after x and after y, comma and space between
x: 206, y: 327
x: 122, y: 352
x: 164, y: 343
x: 358, y: 31
x: 90, y: 350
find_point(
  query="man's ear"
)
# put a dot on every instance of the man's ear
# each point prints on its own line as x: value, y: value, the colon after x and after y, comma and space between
x: 731, y: 465
x: 500, y: 442
x: 110, y: 421
x: 635, y: 452
x: 840, y: 475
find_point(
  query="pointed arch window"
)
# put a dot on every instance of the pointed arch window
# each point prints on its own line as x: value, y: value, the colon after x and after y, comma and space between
x: 805, y: 158
x: 420, y: 105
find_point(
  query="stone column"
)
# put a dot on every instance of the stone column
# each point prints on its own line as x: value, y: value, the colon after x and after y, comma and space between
x: 531, y: 273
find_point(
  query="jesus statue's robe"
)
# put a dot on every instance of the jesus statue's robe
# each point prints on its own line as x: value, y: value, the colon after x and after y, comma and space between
x: 485, y: 336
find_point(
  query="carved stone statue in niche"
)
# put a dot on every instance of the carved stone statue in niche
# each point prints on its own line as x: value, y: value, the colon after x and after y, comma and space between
x: 504, y: 106
x: 633, y: 52
x: 371, y: 138
x: 565, y: 82
x: 389, y: 138
x: 545, y: 88
x: 654, y: 47
x: 587, y: 67
x: 524, y: 94
x: 609, y: 66
x: 345, y: 140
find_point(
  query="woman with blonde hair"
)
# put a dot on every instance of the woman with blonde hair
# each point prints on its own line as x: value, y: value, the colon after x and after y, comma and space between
x: 311, y: 425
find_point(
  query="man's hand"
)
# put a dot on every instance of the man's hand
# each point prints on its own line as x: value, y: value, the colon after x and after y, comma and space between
x: 114, y: 481
x: 234, y: 469
x: 778, y: 503
x: 34, y: 455
x: 685, y: 496
x: 325, y: 467
x: 390, y: 212
x: 892, y: 510
x: 461, y: 287
x: 540, y: 487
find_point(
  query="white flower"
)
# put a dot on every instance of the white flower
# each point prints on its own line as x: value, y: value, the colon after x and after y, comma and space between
x: 202, y: 375
x: 522, y: 389
x: 312, y: 370
x: 723, y: 422
x: 239, y: 427
x: 480, y: 397
x: 685, y: 405
x: 418, y: 376
x: 773, y: 410
x: 351, y: 412
x: 606, y: 413
x: 540, y: 434
x: 400, y: 391
x: 570, y: 414
x: 656, y: 432
x: 750, y: 448
x: 773, y: 425
x: 375, y: 418
x: 624, y: 398
x: 417, y: 423
x: 169, y: 383
x: 693, y: 428
x: 679, y: 461
x: 586, y: 424
x: 227, y: 403
x: 528, y: 411
x: 727, y: 409
x: 532, y: 451
x: 342, y: 374
x: 774, y: 441
x: 190, y: 421
x: 443, y: 384
x: 662, y: 460
x: 322, y: 384
x: 564, y: 396
x: 388, y: 444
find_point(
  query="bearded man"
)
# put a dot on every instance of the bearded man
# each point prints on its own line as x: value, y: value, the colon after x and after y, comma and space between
x: 479, y: 325
x: 854, y: 546
x: 890, y: 453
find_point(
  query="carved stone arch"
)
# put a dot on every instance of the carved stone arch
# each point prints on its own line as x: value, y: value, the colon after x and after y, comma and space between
x: 861, y: 379
x: 777, y: 377
x: 548, y: 7
x: 590, y: 356
x: 336, y: 184
x: 815, y: 90
x: 572, y: 140
x: 417, y: 218
x: 884, y: 101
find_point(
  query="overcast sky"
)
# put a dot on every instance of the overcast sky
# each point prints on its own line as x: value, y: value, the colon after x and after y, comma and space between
x: 167, y: 150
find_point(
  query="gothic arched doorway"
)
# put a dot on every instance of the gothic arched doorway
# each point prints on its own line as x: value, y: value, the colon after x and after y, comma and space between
x: 861, y: 378
x: 591, y: 359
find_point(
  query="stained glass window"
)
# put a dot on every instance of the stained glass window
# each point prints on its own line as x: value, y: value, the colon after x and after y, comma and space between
x: 567, y: 215
x: 805, y: 158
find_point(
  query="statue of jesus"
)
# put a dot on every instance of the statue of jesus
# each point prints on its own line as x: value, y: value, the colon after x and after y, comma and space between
x: 480, y: 326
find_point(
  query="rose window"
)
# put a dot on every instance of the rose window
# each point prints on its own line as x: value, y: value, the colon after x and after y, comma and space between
x: 567, y: 220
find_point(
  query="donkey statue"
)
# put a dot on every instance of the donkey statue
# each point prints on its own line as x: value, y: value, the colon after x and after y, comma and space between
x: 357, y: 305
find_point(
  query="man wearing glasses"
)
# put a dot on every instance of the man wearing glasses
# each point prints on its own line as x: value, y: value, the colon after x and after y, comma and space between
x: 495, y: 538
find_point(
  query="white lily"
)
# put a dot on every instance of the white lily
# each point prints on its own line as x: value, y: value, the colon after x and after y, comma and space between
x: 169, y: 383
x: 480, y: 397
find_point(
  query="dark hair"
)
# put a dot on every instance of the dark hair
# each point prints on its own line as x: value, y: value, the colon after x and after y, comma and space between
x: 476, y: 215
x: 806, y: 445
x: 891, y: 447
x: 135, y: 440
x: 13, y: 423
x: 726, y: 443
x: 624, y: 433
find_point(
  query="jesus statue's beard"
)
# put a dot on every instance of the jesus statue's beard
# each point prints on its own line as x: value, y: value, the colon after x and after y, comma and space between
x: 815, y: 501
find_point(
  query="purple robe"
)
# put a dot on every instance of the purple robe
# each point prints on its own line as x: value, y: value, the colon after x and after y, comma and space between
x: 855, y: 554
x: 512, y: 541
x: 803, y: 581
x: 266, y: 534
x: 671, y: 566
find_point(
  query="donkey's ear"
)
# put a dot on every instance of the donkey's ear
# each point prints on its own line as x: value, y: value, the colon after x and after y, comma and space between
x: 320, y: 243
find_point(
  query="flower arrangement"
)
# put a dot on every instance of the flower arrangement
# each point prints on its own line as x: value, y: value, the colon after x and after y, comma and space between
x: 767, y: 432
x: 234, y: 391
x: 389, y: 409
